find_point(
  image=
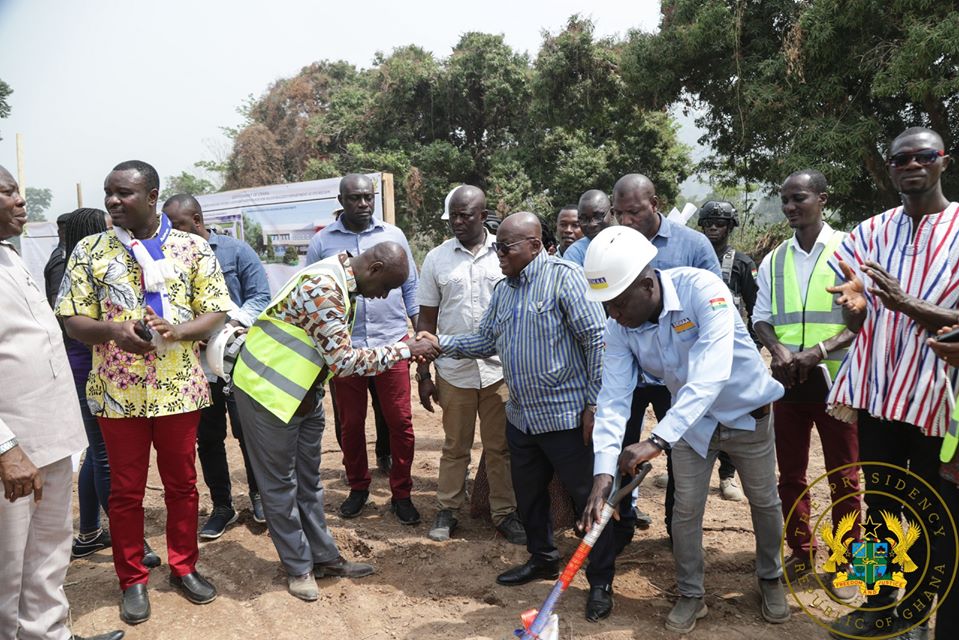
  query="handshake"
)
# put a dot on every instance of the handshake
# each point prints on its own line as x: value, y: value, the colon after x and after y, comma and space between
x: 424, y: 348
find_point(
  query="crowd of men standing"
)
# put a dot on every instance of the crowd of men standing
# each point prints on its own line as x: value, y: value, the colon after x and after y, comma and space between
x: 557, y: 350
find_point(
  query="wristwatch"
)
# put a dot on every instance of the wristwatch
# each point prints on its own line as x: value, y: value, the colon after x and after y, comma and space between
x: 658, y: 442
x: 9, y: 444
x: 422, y: 375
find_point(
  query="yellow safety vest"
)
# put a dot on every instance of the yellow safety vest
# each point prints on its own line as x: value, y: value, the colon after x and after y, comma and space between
x: 279, y: 363
x: 801, y: 324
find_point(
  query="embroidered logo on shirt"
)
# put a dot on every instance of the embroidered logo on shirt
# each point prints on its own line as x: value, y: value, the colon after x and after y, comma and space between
x: 683, y: 325
x: 754, y: 272
x: 597, y: 283
x: 718, y: 303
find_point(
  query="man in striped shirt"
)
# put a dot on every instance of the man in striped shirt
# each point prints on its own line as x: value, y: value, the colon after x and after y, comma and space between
x: 550, y: 341
x: 901, y: 271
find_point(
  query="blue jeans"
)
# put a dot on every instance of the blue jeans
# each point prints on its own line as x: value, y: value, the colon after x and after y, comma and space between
x: 93, y: 483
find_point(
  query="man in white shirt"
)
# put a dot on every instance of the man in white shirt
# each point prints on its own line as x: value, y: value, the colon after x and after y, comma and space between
x: 680, y: 325
x: 456, y: 284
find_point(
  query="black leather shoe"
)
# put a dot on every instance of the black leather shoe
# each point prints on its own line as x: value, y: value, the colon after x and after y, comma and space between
x: 135, y: 604
x: 109, y: 635
x: 194, y: 587
x: 405, y: 512
x: 599, y: 604
x: 150, y: 559
x: 354, y: 503
x: 528, y: 572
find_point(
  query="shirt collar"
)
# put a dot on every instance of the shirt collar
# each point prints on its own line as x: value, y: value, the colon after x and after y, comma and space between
x: 664, y: 227
x: 348, y: 269
x: 529, y: 271
x: 824, y: 234
x: 487, y: 244
x: 339, y: 226
x: 671, y: 300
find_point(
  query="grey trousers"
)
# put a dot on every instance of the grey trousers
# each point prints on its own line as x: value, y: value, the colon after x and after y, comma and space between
x: 34, y: 556
x: 286, y: 464
x: 754, y: 455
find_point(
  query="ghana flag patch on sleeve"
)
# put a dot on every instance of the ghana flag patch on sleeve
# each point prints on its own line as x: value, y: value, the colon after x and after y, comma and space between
x: 718, y: 303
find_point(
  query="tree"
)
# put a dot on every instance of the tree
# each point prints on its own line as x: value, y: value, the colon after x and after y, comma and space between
x: 186, y: 183
x: 38, y: 201
x: 5, y: 92
x: 783, y: 85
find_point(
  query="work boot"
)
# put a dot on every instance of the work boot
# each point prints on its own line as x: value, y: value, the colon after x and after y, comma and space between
x: 685, y: 613
x: 443, y: 526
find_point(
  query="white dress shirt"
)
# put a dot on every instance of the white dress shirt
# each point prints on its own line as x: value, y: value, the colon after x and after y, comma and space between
x: 701, y: 349
x: 461, y: 285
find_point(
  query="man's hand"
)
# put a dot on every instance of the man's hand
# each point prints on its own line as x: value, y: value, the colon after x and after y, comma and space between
x: 602, y: 485
x: 588, y: 420
x: 806, y: 361
x: 20, y: 476
x: 636, y: 454
x: 851, y: 292
x: 427, y: 390
x: 424, y: 348
x: 783, y: 366
x: 125, y: 337
x: 167, y: 331
x: 948, y: 351
x: 886, y: 287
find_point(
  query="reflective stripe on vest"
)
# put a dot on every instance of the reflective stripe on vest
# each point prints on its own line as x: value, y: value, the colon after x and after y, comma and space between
x: 279, y: 363
x: 802, y: 324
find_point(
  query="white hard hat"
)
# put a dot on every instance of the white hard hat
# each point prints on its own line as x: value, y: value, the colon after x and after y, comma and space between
x: 613, y: 260
x: 222, y: 349
x: 446, y: 204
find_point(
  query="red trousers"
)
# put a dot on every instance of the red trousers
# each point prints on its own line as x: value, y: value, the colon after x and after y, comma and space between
x: 793, y: 423
x: 128, y: 443
x: 393, y: 391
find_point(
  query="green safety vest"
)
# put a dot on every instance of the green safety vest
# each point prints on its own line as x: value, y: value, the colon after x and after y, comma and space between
x: 801, y: 324
x: 279, y: 363
x: 951, y: 439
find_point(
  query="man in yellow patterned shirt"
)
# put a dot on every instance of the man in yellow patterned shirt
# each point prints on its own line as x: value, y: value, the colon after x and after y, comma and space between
x: 141, y: 295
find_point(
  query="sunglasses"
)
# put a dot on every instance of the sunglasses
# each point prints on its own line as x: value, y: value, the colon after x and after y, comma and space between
x: 714, y: 223
x: 924, y: 157
x: 503, y: 248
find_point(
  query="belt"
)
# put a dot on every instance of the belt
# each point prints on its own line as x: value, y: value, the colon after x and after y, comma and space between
x: 760, y: 412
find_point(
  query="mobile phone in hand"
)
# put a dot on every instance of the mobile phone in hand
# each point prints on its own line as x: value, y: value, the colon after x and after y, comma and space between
x: 142, y: 329
x: 951, y: 336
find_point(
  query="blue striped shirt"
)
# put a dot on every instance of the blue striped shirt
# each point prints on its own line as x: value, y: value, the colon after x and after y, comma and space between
x: 550, y: 340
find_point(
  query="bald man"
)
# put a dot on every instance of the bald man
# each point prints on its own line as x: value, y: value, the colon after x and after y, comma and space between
x: 378, y: 323
x: 592, y: 214
x: 550, y: 341
x: 301, y: 340
x: 456, y: 285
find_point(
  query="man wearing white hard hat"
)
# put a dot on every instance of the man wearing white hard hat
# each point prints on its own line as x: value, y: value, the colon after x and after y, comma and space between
x: 680, y: 325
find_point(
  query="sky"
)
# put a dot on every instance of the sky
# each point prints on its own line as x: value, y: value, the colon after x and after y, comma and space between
x: 102, y: 81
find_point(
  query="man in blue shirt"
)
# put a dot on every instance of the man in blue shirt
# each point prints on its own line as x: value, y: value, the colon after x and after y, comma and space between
x: 636, y: 205
x: 250, y: 292
x: 592, y: 211
x: 680, y: 325
x: 550, y: 343
x: 378, y: 322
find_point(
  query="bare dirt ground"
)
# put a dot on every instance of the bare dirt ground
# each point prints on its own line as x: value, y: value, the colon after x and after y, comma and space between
x: 424, y: 589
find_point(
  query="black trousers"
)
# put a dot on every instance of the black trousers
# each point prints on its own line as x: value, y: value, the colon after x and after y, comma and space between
x: 947, y: 616
x: 382, y: 446
x: 534, y: 459
x: 210, y: 438
x: 904, y: 446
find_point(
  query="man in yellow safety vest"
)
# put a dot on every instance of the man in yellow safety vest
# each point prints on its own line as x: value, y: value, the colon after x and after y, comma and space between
x: 802, y: 327
x: 299, y: 342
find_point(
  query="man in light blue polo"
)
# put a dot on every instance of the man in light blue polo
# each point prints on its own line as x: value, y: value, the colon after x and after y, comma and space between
x: 681, y: 326
x: 592, y: 211
x: 378, y: 323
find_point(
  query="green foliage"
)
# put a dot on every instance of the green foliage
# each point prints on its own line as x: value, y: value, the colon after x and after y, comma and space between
x: 5, y: 92
x: 533, y: 134
x: 782, y: 85
x: 38, y: 201
x: 291, y: 256
x: 186, y: 183
x: 253, y: 234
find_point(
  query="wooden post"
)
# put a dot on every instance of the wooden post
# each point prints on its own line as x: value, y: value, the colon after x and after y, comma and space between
x: 20, y: 179
x: 389, y: 206
x: 79, y: 196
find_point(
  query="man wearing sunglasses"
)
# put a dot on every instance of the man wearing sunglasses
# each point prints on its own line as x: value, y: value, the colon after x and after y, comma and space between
x: 592, y: 211
x: 550, y: 341
x: 901, y: 272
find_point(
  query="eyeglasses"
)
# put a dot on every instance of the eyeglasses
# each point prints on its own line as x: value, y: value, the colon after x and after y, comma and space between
x: 598, y: 216
x: 714, y: 222
x: 924, y: 157
x: 503, y: 248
